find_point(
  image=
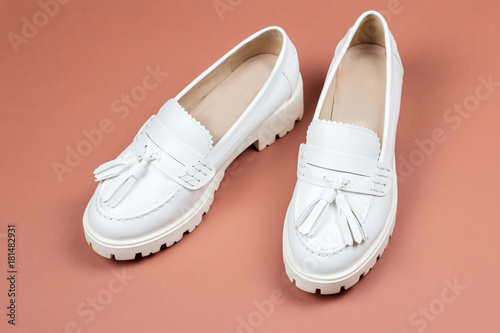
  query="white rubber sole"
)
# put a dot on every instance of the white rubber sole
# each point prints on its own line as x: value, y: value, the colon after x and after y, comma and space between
x: 333, y: 284
x: 278, y: 124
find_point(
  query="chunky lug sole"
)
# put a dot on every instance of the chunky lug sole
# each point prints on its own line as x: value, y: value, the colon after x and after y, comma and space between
x: 278, y: 124
x: 333, y: 284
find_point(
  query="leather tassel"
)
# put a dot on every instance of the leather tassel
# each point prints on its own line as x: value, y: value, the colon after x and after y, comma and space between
x: 351, y: 228
x: 113, y: 168
x: 309, y: 221
x: 357, y: 231
x: 344, y: 228
x: 311, y: 218
x: 121, y: 185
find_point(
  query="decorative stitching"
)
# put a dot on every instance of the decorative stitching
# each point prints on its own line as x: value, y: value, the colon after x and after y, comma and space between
x: 317, y: 250
x: 201, y: 168
x: 173, y: 194
x: 378, y: 187
x: 382, y: 172
x: 301, y: 161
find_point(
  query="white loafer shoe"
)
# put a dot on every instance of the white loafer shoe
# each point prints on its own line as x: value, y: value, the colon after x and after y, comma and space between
x: 343, y: 208
x: 159, y: 187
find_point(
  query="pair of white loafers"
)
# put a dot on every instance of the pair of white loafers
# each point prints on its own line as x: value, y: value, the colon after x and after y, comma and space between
x: 343, y: 208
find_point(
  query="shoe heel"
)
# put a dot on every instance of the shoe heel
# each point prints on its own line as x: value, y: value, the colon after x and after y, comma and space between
x: 283, y: 119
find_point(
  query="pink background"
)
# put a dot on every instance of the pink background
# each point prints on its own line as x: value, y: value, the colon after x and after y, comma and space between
x: 228, y: 276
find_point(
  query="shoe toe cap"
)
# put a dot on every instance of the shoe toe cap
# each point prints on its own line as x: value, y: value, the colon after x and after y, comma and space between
x: 138, y: 214
x: 324, y: 253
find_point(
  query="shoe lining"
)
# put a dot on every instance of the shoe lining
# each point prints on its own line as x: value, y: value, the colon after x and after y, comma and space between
x: 220, y: 109
x: 357, y: 92
x: 221, y: 97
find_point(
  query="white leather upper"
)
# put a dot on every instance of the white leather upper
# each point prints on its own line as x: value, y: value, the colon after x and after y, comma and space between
x: 343, y: 194
x: 164, y: 172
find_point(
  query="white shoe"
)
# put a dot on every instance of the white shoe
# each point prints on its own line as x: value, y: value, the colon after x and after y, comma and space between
x: 343, y: 208
x: 159, y: 187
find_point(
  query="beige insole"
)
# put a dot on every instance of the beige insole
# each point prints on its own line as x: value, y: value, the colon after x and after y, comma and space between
x: 220, y: 109
x: 359, y: 89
